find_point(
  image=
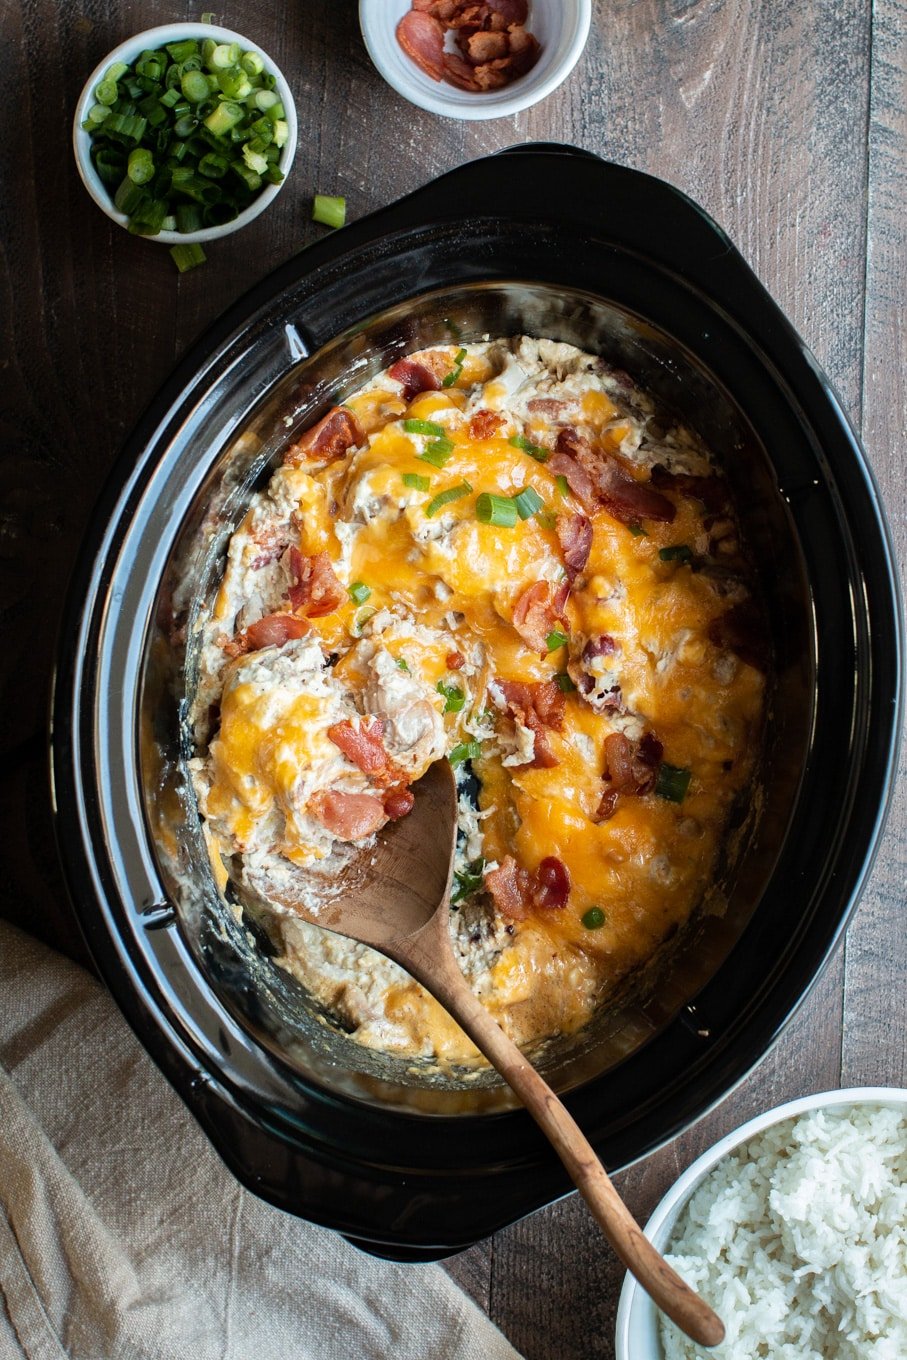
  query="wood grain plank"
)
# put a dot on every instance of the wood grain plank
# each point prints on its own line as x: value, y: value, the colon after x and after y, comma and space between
x: 875, y: 1051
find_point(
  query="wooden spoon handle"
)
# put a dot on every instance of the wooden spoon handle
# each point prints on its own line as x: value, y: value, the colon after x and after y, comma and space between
x: 684, y: 1307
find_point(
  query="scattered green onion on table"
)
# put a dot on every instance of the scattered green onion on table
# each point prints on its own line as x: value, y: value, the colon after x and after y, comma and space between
x: 185, y: 137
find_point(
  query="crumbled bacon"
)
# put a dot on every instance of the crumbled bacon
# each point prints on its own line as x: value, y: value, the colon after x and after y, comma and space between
x: 272, y: 631
x: 575, y: 535
x: 631, y: 767
x: 494, y: 45
x: 537, y: 610
x: 314, y: 588
x: 398, y: 802
x: 485, y: 424
x: 546, y: 406
x: 362, y: 745
x: 333, y: 436
x: 422, y: 374
x: 583, y: 676
x: 538, y: 705
x: 562, y: 463
x: 455, y: 661
x: 612, y: 485
x: 516, y: 891
x: 350, y: 816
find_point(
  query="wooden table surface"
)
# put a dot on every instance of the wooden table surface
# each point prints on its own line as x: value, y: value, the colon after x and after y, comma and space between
x: 786, y: 121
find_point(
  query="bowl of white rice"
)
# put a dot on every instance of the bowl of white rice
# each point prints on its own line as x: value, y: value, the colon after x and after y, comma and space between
x: 794, y: 1228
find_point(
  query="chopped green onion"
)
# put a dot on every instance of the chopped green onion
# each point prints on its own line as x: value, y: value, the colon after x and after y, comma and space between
x: 467, y: 750
x: 187, y: 256
x: 224, y: 56
x: 672, y: 782
x: 519, y: 441
x: 359, y: 592
x: 97, y: 113
x: 115, y: 70
x: 252, y: 63
x: 453, y: 493
x: 677, y: 552
x: 564, y: 683
x: 213, y: 166
x: 469, y: 880
x: 140, y: 166
x: 454, y: 374
x: 437, y: 452
x: 594, y: 918
x: 424, y: 427
x: 527, y: 502
x: 547, y: 519
x: 254, y: 160
x: 267, y: 99
x: 563, y: 485
x: 208, y: 18
x: 454, y: 696
x: 556, y: 639
x: 414, y: 480
x: 497, y: 510
x: 188, y: 217
x: 402, y: 666
x: 180, y: 51
x: 128, y: 197
x: 194, y: 86
x: 330, y: 211
x: 250, y: 178
x: 637, y: 530
x: 362, y: 617
x: 106, y: 92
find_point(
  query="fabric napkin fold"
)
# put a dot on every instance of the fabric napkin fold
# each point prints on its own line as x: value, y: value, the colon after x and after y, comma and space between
x: 124, y: 1237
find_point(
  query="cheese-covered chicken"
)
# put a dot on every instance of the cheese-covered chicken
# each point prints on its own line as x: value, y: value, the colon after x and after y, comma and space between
x: 504, y: 553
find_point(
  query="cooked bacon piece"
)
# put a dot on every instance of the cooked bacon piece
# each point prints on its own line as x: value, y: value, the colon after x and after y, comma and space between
x: 459, y: 72
x: 351, y: 816
x: 438, y: 9
x: 537, y: 611
x: 546, y: 406
x: 469, y: 15
x: 493, y: 75
x: 603, y: 645
x: 618, y: 491
x: 714, y: 491
x: 524, y: 51
x: 333, y: 436
x: 515, y: 891
x: 455, y: 661
x: 485, y: 424
x: 415, y: 377
x: 271, y: 631
x: 397, y: 803
x: 562, y: 463
x: 315, y: 589
x: 575, y: 535
x: 511, y: 11
x: 631, y: 767
x: 484, y: 46
x: 538, y: 705
x: 421, y: 36
x: 362, y: 745
x: 742, y: 630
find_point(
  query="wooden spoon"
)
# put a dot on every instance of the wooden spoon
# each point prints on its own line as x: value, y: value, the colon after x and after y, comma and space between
x: 400, y: 906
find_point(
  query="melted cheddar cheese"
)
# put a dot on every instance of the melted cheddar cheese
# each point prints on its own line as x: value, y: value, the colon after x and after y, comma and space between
x: 429, y: 626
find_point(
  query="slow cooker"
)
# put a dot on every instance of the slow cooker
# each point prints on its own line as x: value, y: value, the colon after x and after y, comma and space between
x: 548, y: 241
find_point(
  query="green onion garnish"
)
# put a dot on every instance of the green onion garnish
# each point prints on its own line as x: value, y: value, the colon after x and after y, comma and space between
x: 469, y: 880
x: 187, y: 256
x: 454, y: 374
x: 547, y: 519
x: 594, y: 918
x: 677, y: 552
x: 498, y: 510
x: 527, y: 502
x: 519, y: 441
x: 428, y: 427
x: 453, y: 493
x: 467, y: 750
x: 330, y: 211
x: 402, y: 666
x: 637, y: 530
x: 556, y: 639
x: 437, y: 452
x: 359, y: 592
x: 563, y: 485
x: 190, y: 106
x: 564, y: 683
x: 672, y: 782
x: 417, y: 482
x: 454, y: 696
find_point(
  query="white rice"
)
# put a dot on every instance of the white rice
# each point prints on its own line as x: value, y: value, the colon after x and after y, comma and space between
x: 798, y: 1240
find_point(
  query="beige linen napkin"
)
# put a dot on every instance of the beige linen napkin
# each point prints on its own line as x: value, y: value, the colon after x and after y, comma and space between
x: 123, y: 1236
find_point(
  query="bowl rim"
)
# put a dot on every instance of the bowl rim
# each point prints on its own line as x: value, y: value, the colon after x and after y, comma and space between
x: 127, y: 51
x: 633, y: 1302
x: 373, y: 18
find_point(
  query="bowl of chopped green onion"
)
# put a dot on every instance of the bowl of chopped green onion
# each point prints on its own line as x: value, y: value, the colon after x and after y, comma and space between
x: 185, y: 133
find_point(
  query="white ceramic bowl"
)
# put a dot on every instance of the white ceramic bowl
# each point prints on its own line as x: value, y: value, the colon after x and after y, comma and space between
x: 152, y: 39
x: 561, y: 26
x: 637, y: 1329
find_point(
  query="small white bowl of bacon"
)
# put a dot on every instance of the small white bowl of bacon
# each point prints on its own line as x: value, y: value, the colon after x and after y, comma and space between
x: 475, y: 58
